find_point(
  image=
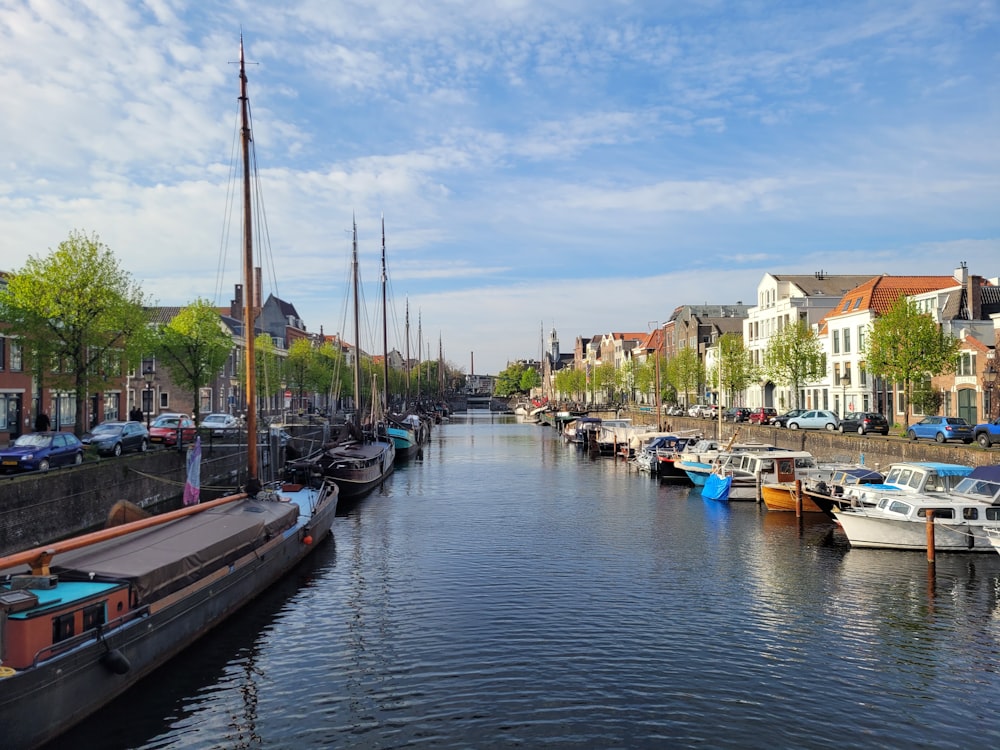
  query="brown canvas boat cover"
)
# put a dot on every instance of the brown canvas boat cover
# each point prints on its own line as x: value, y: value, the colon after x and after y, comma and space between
x: 163, y: 559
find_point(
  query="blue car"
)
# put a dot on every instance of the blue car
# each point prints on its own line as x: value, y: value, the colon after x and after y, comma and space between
x: 41, y: 451
x: 941, y: 429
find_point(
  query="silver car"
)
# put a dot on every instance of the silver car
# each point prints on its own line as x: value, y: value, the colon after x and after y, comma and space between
x: 814, y: 419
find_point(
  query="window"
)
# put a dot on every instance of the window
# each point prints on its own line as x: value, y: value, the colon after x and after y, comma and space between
x: 3, y: 351
x: 861, y: 339
x: 966, y: 364
x: 857, y: 303
x: 847, y: 341
x: 16, y: 364
x: 970, y: 514
x: 164, y: 400
x: 93, y: 616
x: 836, y: 342
x: 938, y: 512
x: 62, y: 627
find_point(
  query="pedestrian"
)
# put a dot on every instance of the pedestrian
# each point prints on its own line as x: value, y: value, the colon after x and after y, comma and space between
x: 42, y: 422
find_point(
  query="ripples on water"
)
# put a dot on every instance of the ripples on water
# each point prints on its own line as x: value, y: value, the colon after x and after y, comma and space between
x: 510, y: 591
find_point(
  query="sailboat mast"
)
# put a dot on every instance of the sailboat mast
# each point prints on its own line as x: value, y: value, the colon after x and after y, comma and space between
x: 248, y: 278
x: 357, y: 330
x: 406, y: 368
x: 385, y: 330
x: 420, y: 346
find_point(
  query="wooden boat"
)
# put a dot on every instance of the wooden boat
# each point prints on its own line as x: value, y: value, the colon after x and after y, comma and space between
x: 961, y: 517
x: 84, y: 619
x: 361, y: 456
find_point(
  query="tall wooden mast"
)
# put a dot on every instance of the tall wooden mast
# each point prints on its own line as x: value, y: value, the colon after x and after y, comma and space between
x: 385, y: 330
x: 250, y: 295
x: 357, y: 329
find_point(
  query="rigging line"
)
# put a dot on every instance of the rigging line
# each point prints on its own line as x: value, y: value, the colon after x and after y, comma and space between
x: 227, y: 219
x: 263, y: 231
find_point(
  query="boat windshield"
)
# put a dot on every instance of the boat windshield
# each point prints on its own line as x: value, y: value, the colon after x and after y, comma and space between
x: 981, y: 488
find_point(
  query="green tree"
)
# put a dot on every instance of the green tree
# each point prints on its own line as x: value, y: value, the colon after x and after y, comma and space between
x: 794, y: 356
x: 508, y: 381
x: 268, y: 370
x: 570, y: 382
x: 905, y: 346
x: 79, y: 312
x: 530, y: 378
x: 685, y: 373
x: 606, y: 379
x: 193, y: 347
x: 738, y: 370
x: 300, y: 368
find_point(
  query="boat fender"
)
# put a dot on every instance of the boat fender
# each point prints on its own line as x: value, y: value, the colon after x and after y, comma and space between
x: 116, y: 662
x: 307, y: 538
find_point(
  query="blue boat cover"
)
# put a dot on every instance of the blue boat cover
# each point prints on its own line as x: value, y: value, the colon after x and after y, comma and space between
x: 716, y: 488
x: 946, y: 470
x: 989, y: 473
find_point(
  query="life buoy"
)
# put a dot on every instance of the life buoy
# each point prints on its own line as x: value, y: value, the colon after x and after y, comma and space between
x: 7, y: 672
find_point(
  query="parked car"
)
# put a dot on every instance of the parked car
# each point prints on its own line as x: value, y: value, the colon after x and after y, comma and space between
x: 41, y: 451
x: 219, y: 424
x: 115, y: 438
x: 987, y: 433
x: 695, y: 410
x: 863, y: 422
x: 762, y: 415
x: 782, y: 419
x: 165, y: 427
x: 710, y: 411
x: 736, y: 414
x: 814, y: 419
x: 941, y: 429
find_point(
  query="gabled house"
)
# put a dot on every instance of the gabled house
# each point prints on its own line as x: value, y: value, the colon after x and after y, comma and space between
x: 784, y: 299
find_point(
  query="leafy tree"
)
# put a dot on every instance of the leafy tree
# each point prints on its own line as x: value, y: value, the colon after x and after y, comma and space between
x: 530, y: 378
x: 508, y: 381
x: 78, y: 313
x: 330, y: 373
x: 300, y: 367
x: 738, y: 370
x: 794, y: 356
x: 268, y: 369
x: 906, y: 345
x: 606, y: 378
x: 925, y: 398
x: 570, y: 382
x: 193, y: 347
x: 685, y: 372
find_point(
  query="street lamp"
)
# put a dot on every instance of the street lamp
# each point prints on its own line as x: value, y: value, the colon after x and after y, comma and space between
x: 989, y: 387
x: 845, y: 380
x: 148, y: 375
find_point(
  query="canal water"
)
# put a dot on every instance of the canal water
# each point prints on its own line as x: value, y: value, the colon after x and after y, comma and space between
x: 510, y: 591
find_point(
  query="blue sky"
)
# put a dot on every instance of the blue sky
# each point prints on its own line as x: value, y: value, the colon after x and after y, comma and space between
x: 586, y: 166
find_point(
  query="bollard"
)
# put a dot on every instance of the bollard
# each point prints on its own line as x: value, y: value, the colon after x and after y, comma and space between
x: 930, y: 536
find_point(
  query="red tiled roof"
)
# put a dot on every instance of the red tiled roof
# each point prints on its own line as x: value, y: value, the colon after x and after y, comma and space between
x: 879, y: 294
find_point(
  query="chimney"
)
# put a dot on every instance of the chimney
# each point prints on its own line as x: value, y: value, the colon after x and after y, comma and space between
x: 236, y: 304
x: 962, y: 273
x: 974, y: 293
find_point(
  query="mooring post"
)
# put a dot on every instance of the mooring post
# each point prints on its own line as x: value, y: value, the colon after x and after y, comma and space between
x: 930, y: 536
x: 798, y: 498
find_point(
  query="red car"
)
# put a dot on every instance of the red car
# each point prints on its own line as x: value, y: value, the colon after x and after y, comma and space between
x: 762, y: 415
x: 166, y: 426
